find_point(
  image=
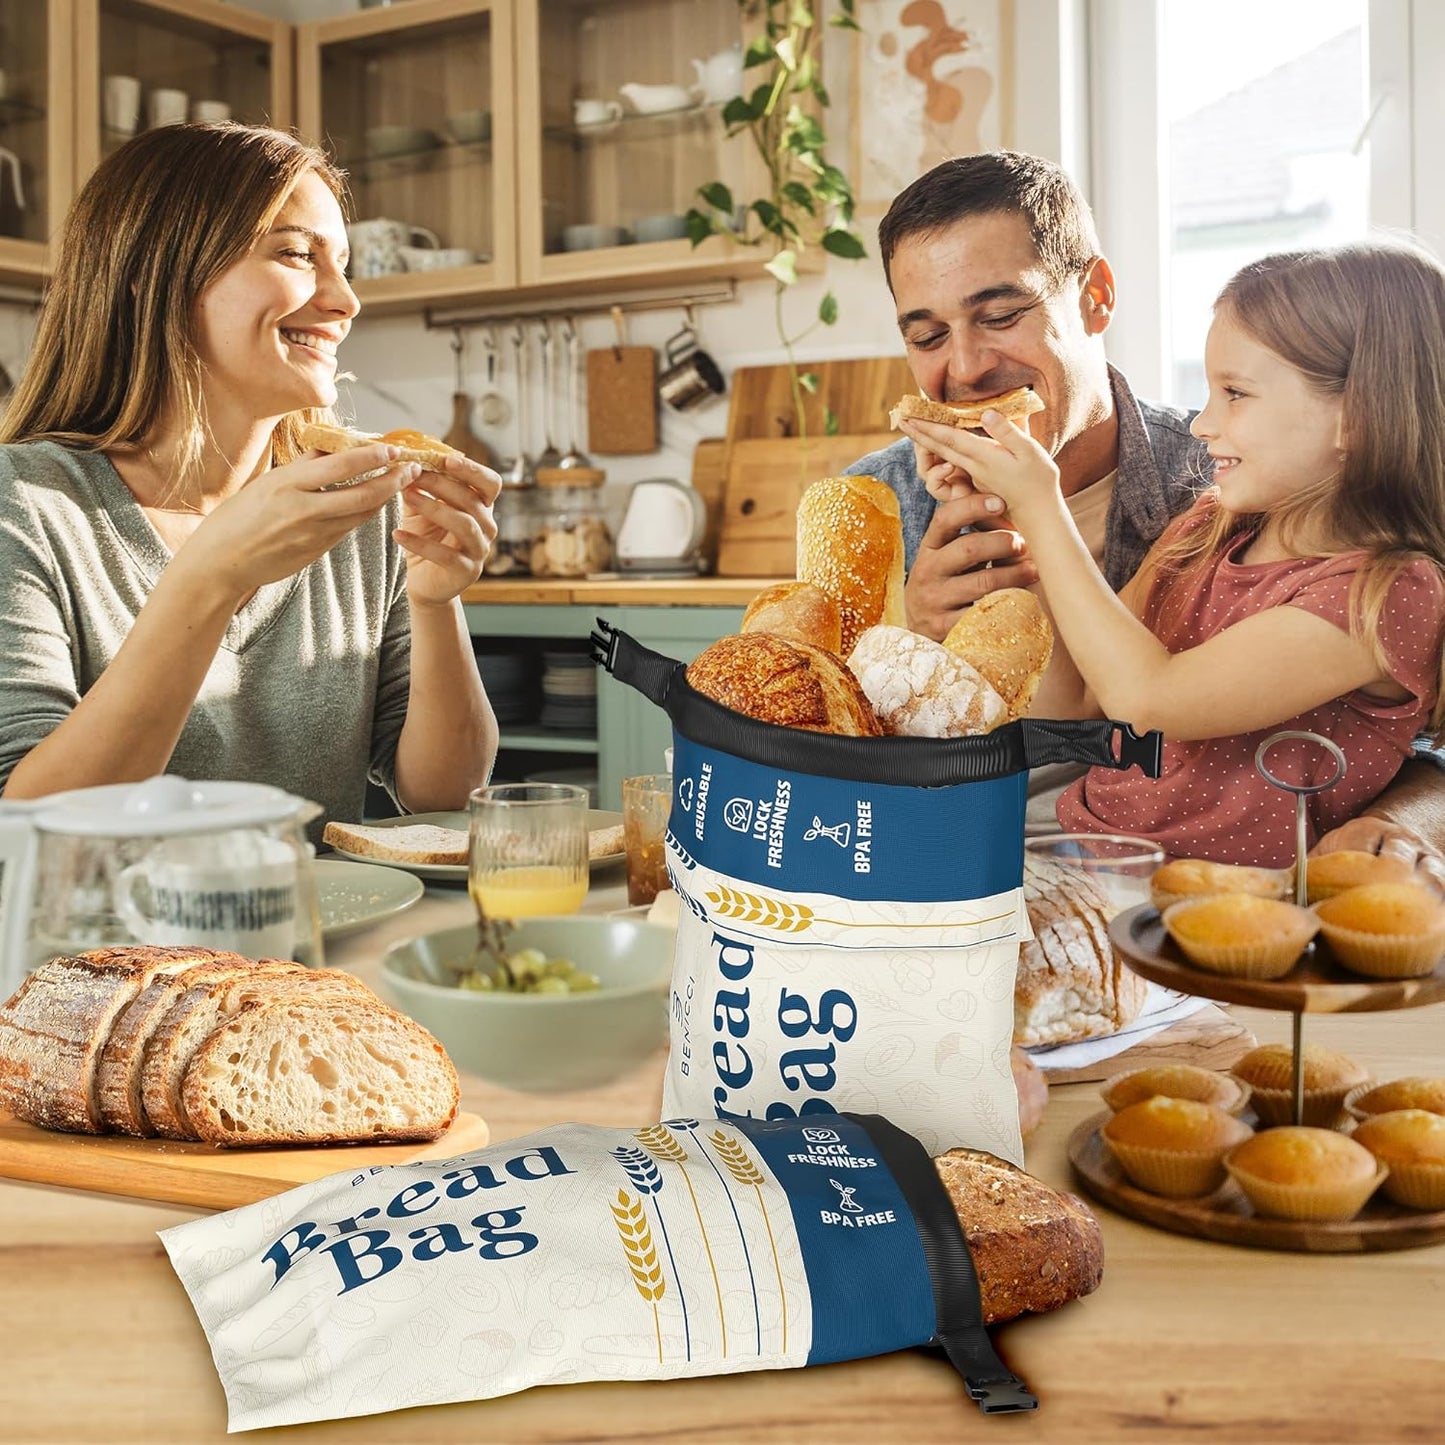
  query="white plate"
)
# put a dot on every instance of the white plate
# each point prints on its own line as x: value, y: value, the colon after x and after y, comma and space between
x: 351, y: 896
x: 457, y: 872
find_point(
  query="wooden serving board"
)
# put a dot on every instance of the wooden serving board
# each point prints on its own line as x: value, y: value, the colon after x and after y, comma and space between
x: 1227, y: 1216
x: 182, y: 1173
x: 1209, y: 1039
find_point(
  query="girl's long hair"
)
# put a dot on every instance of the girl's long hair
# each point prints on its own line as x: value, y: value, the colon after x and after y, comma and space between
x: 1365, y: 323
x: 156, y: 224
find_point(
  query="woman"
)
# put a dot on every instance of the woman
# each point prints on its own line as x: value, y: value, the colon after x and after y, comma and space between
x: 181, y: 587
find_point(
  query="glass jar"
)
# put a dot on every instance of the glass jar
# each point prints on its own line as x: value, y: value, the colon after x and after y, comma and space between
x: 570, y: 535
x: 511, y: 552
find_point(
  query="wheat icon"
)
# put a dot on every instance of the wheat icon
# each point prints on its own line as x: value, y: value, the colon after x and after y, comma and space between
x: 647, y: 1178
x: 759, y: 908
x: 739, y: 1164
x: 661, y: 1141
x: 641, y: 1255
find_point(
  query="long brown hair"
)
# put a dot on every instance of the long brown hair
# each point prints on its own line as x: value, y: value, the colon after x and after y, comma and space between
x: 157, y: 222
x: 1366, y: 323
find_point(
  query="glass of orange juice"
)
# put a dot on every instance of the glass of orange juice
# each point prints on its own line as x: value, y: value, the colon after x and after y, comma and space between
x: 527, y: 855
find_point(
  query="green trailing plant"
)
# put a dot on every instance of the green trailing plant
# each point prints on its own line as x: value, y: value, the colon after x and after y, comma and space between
x: 808, y: 202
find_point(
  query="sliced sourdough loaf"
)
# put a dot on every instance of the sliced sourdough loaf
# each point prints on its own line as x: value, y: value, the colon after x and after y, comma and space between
x: 311, y: 1072
x: 54, y: 1027
x: 199, y: 1012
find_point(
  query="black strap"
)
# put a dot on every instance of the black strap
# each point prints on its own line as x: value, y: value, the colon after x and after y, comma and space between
x: 957, y: 1304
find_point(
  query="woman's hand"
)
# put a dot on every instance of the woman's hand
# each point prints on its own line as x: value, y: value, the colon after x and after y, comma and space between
x: 447, y: 530
x: 1007, y: 463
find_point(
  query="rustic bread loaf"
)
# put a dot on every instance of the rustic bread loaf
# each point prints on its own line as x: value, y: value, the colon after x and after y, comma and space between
x: 1033, y: 1090
x: 1033, y: 1247
x: 796, y: 612
x: 850, y: 545
x: 303, y: 1071
x: 787, y: 683
x: 1017, y: 405
x: 1006, y: 636
x: 407, y: 843
x: 919, y: 689
x: 1070, y: 984
x: 54, y: 1027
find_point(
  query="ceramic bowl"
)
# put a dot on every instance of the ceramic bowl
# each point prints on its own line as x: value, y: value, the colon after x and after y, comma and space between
x: 591, y: 236
x: 542, y: 1041
x: 659, y: 228
x: 434, y: 258
x: 467, y: 127
x: 398, y: 140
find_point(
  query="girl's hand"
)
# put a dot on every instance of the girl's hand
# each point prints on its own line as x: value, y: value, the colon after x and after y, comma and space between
x: 1007, y: 462
x: 447, y: 530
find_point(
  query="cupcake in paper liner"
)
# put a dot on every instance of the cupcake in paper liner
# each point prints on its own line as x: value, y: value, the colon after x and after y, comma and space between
x: 1240, y: 935
x: 1306, y: 1174
x: 1328, y: 1077
x: 1176, y: 1081
x: 1191, y: 878
x: 1385, y: 930
x: 1329, y: 873
x: 1410, y: 1143
x: 1173, y: 1147
x: 1415, y: 1091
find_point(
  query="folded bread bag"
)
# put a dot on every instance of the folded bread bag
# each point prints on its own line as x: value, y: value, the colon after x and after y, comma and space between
x: 852, y: 910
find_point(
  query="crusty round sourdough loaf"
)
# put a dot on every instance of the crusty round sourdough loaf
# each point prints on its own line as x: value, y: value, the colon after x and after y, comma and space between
x: 850, y: 544
x: 1017, y: 405
x: 797, y: 612
x: 788, y: 683
x: 1033, y: 1248
x: 919, y: 689
x: 1006, y: 635
x: 413, y: 446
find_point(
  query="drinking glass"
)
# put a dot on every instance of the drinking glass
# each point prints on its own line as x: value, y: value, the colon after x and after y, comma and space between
x: 646, y: 803
x: 1120, y: 865
x: 527, y: 851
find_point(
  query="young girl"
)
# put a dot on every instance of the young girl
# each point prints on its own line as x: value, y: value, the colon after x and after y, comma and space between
x: 181, y: 587
x: 1305, y: 590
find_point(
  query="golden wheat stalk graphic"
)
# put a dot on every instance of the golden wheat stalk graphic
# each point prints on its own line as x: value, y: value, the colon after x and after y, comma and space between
x: 662, y: 1142
x: 641, y: 1255
x: 759, y: 908
x: 739, y: 1164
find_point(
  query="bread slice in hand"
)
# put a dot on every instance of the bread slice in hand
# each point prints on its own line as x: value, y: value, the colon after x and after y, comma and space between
x: 301, y: 1072
x: 1017, y: 405
x: 413, y: 446
x: 407, y: 843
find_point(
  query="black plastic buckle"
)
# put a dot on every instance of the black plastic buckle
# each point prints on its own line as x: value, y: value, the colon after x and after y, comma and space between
x: 1145, y: 749
x: 1007, y: 1395
x: 604, y: 644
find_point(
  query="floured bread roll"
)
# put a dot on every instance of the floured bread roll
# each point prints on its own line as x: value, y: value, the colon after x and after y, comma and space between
x: 1006, y: 635
x: 919, y: 689
x: 850, y: 544
x: 797, y: 612
x: 1017, y: 405
x: 787, y: 683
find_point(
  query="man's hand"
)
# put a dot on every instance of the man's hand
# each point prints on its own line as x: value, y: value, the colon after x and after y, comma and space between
x: 1369, y: 834
x: 951, y: 571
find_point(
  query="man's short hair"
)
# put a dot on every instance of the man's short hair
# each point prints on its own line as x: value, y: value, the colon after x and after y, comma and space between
x: 997, y: 181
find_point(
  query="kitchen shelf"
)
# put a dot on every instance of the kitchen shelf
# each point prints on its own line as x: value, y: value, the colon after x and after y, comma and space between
x: 445, y: 155
x: 634, y: 127
x: 12, y: 111
x: 547, y: 740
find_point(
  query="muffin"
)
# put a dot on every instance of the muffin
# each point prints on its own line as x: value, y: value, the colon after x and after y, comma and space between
x: 1410, y: 1143
x: 1364, y: 1101
x: 1305, y: 1173
x: 1241, y: 935
x: 1385, y: 930
x: 1328, y: 1077
x: 1173, y: 1146
x: 1176, y: 1081
x: 1183, y: 878
x: 1332, y: 873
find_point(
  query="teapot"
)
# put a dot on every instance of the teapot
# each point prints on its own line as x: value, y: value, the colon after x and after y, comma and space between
x: 654, y: 99
x: 720, y: 76
x: 166, y: 861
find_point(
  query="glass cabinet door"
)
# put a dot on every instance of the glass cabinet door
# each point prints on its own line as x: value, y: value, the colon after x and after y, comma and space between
x: 35, y: 134
x: 621, y: 110
x: 142, y: 63
x: 416, y: 103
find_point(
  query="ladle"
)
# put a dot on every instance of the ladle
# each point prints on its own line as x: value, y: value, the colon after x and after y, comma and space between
x: 574, y: 456
x: 492, y: 408
x: 518, y: 472
x: 550, y: 455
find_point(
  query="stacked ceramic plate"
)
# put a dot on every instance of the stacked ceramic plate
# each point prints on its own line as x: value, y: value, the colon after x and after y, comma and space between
x: 510, y: 679
x: 569, y: 692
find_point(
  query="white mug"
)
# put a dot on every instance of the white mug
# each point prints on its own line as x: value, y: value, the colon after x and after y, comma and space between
x: 594, y: 112
x: 168, y: 107
x: 376, y: 245
x: 234, y: 891
x: 210, y: 110
x: 120, y: 103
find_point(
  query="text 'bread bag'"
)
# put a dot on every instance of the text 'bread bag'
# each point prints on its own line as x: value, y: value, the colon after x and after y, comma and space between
x: 852, y: 911
x: 582, y: 1253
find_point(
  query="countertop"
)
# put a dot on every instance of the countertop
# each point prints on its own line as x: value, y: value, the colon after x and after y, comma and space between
x: 1185, y: 1340
x: 619, y: 591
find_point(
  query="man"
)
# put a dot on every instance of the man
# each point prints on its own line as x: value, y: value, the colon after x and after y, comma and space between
x: 995, y: 268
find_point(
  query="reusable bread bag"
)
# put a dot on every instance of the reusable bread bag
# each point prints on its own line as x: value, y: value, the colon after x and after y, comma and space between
x: 582, y: 1253
x: 853, y: 909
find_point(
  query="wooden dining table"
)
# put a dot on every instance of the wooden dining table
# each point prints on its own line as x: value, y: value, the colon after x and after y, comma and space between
x: 1185, y: 1340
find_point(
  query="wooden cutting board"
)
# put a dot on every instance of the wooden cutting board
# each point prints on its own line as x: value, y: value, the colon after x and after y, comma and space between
x: 766, y: 479
x: 709, y: 481
x: 182, y: 1173
x: 622, y: 400
x: 859, y: 392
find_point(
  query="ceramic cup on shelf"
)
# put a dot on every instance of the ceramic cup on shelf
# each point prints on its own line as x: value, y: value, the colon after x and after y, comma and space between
x: 167, y: 107
x: 435, y: 258
x: 120, y: 103
x: 210, y: 110
x: 595, y: 112
x: 376, y: 245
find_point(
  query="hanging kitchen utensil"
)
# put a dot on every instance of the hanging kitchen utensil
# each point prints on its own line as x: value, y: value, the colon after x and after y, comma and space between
x: 621, y: 396
x: 492, y: 408
x: 572, y: 457
x: 518, y: 472
x: 460, y: 435
x: 550, y: 455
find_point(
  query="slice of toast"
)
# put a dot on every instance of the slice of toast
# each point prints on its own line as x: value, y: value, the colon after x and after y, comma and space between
x: 407, y: 843
x: 1017, y: 405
